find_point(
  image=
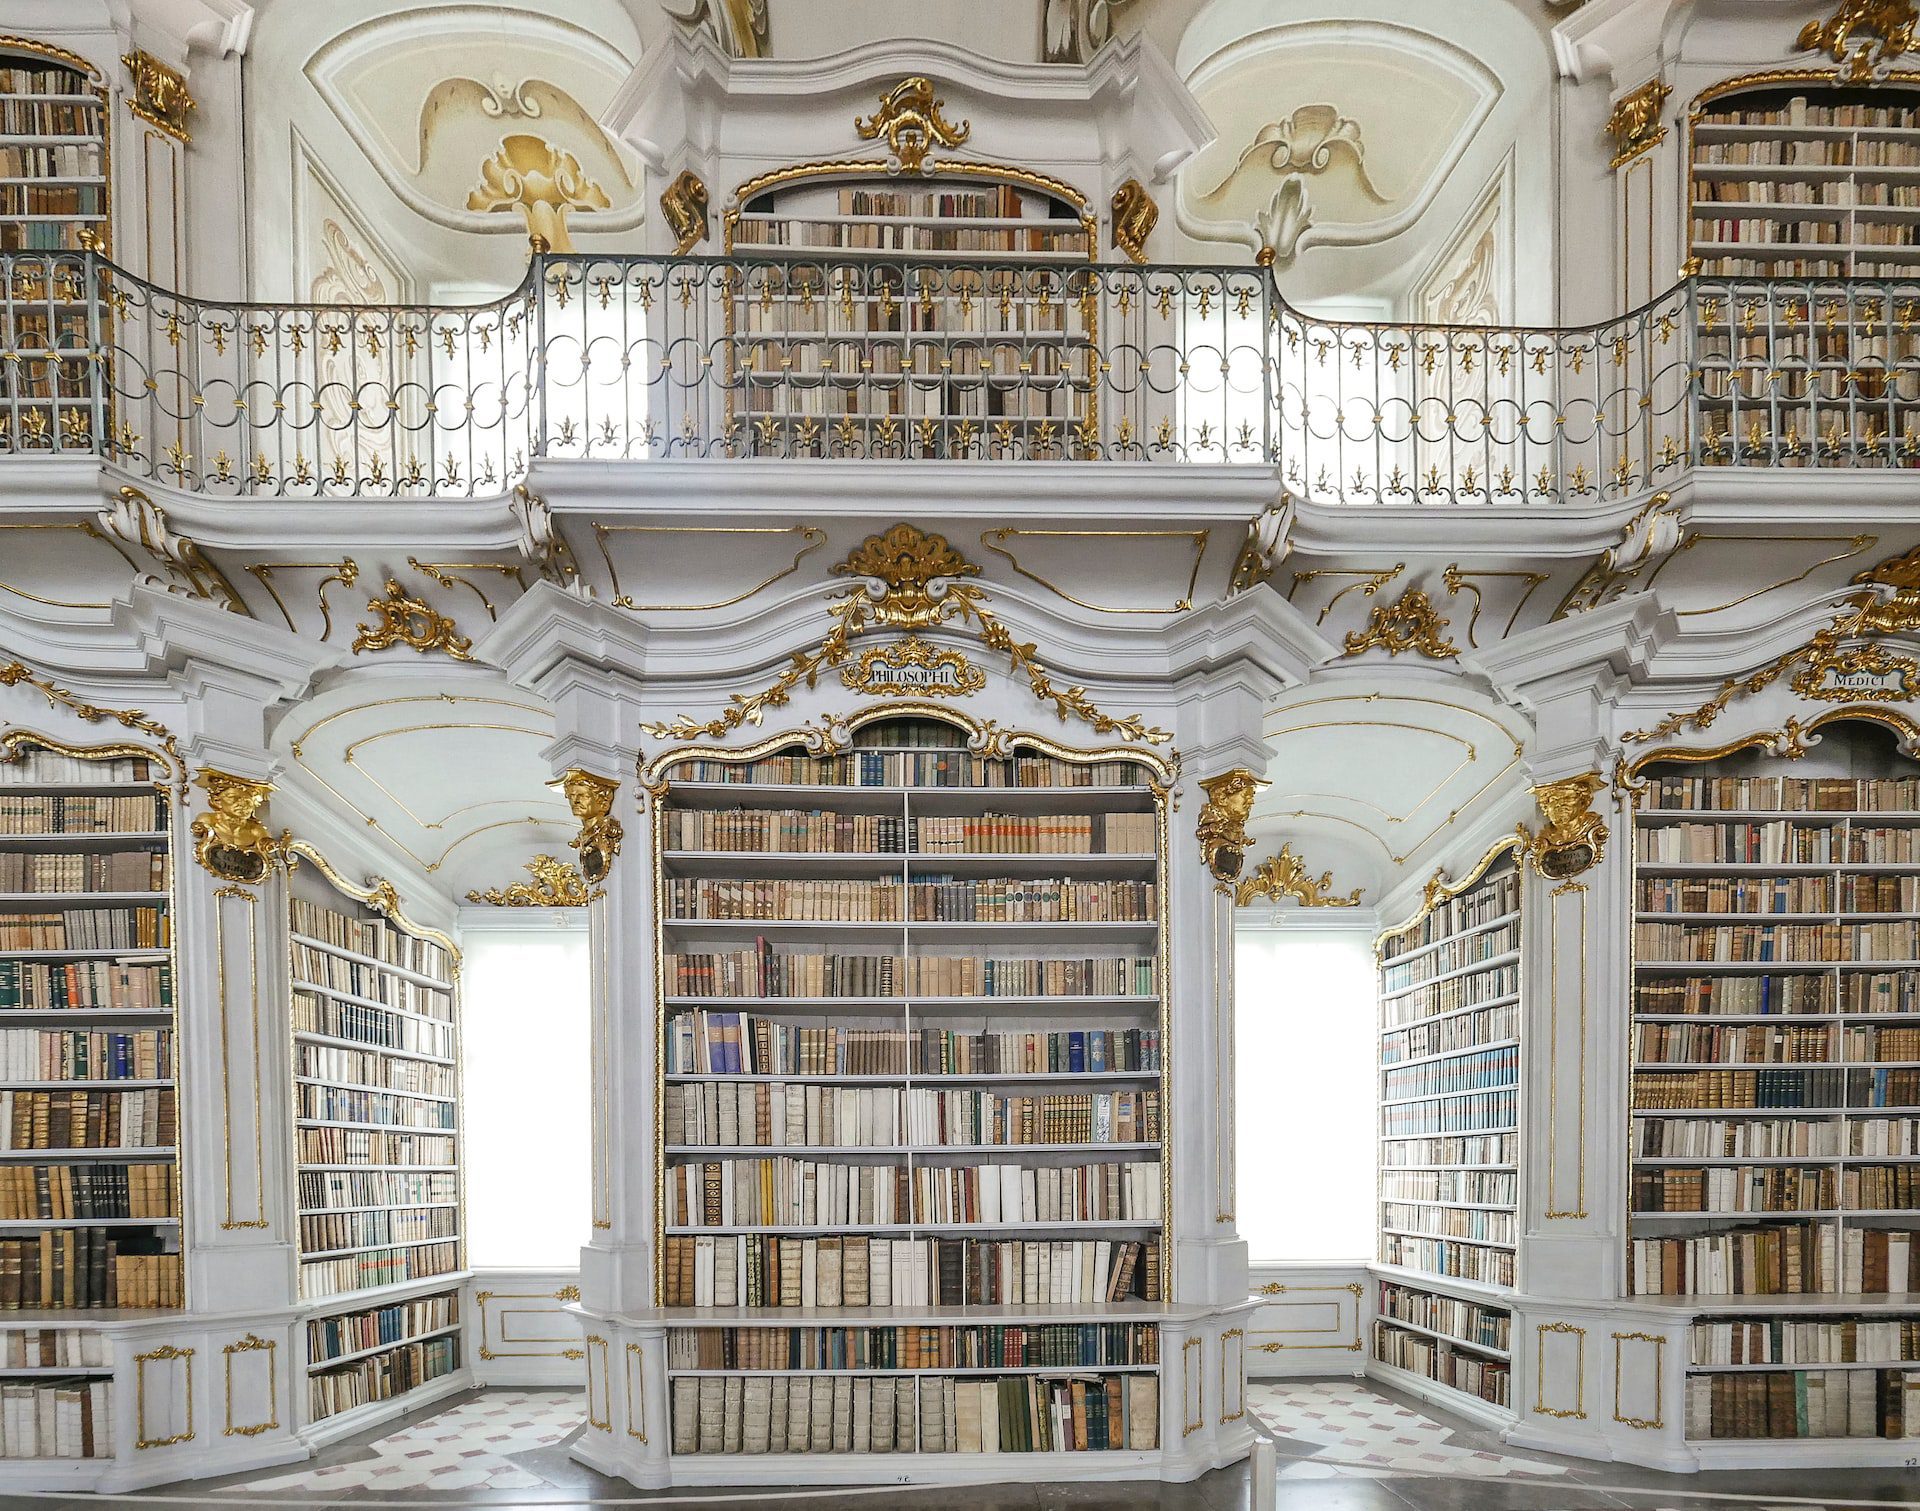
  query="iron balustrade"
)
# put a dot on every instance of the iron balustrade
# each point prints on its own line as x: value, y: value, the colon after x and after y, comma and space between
x: 893, y: 358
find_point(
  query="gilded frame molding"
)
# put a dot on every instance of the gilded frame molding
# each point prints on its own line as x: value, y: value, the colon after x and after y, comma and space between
x: 812, y: 538
x: 995, y: 541
x: 1658, y: 1419
x: 1578, y: 1411
x: 167, y: 1353
x: 252, y: 1344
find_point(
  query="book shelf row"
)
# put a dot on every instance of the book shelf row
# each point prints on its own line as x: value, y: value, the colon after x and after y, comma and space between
x: 1804, y: 1403
x: 1444, y: 1361
x: 53, y: 159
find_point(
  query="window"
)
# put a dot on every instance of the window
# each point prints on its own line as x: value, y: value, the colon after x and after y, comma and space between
x: 1306, y: 1040
x: 527, y: 1089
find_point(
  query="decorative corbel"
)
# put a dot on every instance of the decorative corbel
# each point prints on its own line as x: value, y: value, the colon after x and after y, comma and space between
x: 598, y: 842
x: 1635, y: 125
x: 555, y: 884
x: 1269, y: 542
x: 186, y: 571
x: 1134, y: 217
x: 1574, y: 838
x: 228, y: 839
x: 1222, y: 826
x: 543, y: 546
x: 160, y: 95
x: 684, y: 204
x: 1648, y: 541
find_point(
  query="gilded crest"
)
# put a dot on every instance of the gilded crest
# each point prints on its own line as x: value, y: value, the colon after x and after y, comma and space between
x: 684, y: 203
x: 1285, y: 875
x: 1635, y: 123
x: 555, y: 884
x: 228, y: 839
x: 1222, y: 826
x: 404, y: 620
x: 909, y: 118
x: 160, y: 95
x: 915, y: 667
x: 908, y: 573
x: 1863, y: 37
x: 1409, y: 623
x: 1573, y: 838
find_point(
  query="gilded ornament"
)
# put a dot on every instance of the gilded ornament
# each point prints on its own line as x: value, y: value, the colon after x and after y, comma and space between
x: 598, y: 842
x: 228, y: 839
x: 13, y: 673
x: 1871, y: 671
x: 1863, y: 37
x: 912, y: 666
x: 739, y: 26
x: 1574, y: 838
x: 186, y: 570
x: 909, y: 118
x: 907, y: 575
x: 1653, y: 537
x: 1268, y: 544
x: 1284, y: 875
x: 403, y: 620
x: 1134, y: 217
x: 542, y: 544
x: 1897, y: 613
x: 543, y: 182
x: 160, y: 95
x: 1222, y: 826
x: 1635, y: 123
x: 684, y: 204
x: 555, y: 884
x: 1409, y: 623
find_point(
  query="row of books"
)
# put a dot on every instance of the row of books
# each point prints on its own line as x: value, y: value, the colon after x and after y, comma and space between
x: 1743, y: 894
x: 776, y: 1113
x: 1764, y: 231
x: 850, y: 313
x: 1749, y: 994
x: 1470, y: 1373
x: 1494, y: 897
x: 769, y: 971
x: 72, y: 1419
x: 1466, y: 1321
x: 924, y: 900
x: 1739, y: 1138
x: 1474, y: 1070
x: 1803, y: 942
x: 862, y: 236
x: 384, y: 941
x: 1899, y: 794
x: 1771, y: 842
x: 349, y: 1105
x: 62, y: 117
x: 1481, y: 1112
x: 349, y: 1332
x: 323, y: 1232
x: 784, y: 1191
x: 767, y: 1270
x: 33, y: 986
x: 1463, y: 1031
x: 381, y: 1377
x: 1823, y: 1403
x: 1785, y: 1259
x: 843, y: 1414
x: 38, y: 813
x: 54, y: 1348
x: 1767, y: 1188
x: 951, y: 767
x: 366, y: 1067
x: 1798, y: 111
x: 1494, y: 984
x: 998, y: 202
x: 376, y: 1267
x: 1839, y: 193
x: 50, y: 159
x: 1450, y: 1257
x: 1470, y: 1223
x: 1475, y: 1149
x: 315, y: 967
x: 49, y: 768
x: 146, y: 1119
x: 50, y: 78
x: 1454, y: 954
x: 921, y: 1346
x: 825, y: 832
x: 1793, y: 1340
x: 69, y: 1269
x: 728, y: 1043
x: 1480, y: 1187
x: 370, y: 1025
x: 63, y: 1192
x: 34, y: 871
x: 364, y: 1146
x: 1862, y: 1088
x: 1740, y: 1043
x: 85, y: 929
x: 321, y: 1190
x: 53, y: 1054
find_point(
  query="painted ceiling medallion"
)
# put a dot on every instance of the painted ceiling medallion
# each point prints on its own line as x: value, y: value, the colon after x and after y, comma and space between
x: 540, y: 180
x: 910, y: 119
x: 1222, y: 826
x: 228, y: 839
x: 1863, y: 37
x: 555, y: 884
x: 1285, y: 875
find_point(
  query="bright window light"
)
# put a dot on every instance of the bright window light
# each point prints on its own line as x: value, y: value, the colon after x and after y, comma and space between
x: 1306, y: 1041
x: 526, y: 1041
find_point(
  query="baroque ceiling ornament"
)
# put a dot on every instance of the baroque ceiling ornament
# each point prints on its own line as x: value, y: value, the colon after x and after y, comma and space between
x: 229, y: 840
x: 555, y: 884
x: 186, y: 571
x: 1863, y: 37
x: 909, y: 118
x: 1409, y: 623
x: 405, y: 620
x: 543, y: 182
x: 1285, y: 875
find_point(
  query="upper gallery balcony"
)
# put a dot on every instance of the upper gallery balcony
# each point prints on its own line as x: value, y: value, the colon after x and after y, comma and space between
x: 893, y: 356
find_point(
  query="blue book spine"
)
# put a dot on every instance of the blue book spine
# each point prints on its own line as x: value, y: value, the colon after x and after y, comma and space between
x: 1076, y: 1052
x: 1097, y: 1050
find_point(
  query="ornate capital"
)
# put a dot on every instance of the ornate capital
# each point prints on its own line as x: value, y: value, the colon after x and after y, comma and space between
x: 1284, y: 875
x: 598, y: 842
x: 1635, y: 123
x: 1863, y: 37
x: 1222, y: 827
x: 543, y: 182
x: 160, y: 95
x: 1134, y: 217
x: 1573, y: 838
x: 1409, y: 623
x: 909, y: 118
x: 228, y: 839
x: 684, y: 203
x: 404, y: 620
x: 555, y: 884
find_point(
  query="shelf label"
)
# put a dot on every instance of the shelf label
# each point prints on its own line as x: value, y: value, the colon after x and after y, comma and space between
x: 913, y: 666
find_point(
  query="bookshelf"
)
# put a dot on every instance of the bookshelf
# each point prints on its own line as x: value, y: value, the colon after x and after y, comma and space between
x: 1775, y: 1131
x: 53, y: 151
x: 914, y: 1116
x: 89, y: 1170
x: 56, y: 1394
x: 376, y: 1101
x: 920, y: 320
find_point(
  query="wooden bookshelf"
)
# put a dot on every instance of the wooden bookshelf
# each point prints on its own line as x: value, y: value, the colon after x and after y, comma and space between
x: 53, y: 151
x: 56, y: 1393
x: 90, y: 1191
x: 914, y: 1099
x: 1775, y: 1137
x: 365, y: 1355
x: 1450, y: 1046
x: 1459, y: 1342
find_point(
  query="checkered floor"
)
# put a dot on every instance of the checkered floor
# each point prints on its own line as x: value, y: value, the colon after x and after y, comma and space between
x: 466, y: 1447
x: 1355, y: 1433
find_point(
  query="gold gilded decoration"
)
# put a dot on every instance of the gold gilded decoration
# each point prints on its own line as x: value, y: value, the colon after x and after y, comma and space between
x: 684, y: 203
x: 403, y: 620
x: 1653, y: 537
x: 1285, y: 875
x: 345, y: 571
x: 909, y: 118
x: 1269, y: 542
x: 167, y: 1353
x: 377, y: 893
x: 1833, y: 675
x: 13, y: 673
x: 1574, y: 838
x: 996, y: 542
x: 739, y: 26
x: 1635, y: 123
x: 248, y: 1345
x: 228, y: 839
x: 543, y: 182
x: 186, y: 571
x: 1409, y: 623
x: 912, y: 666
x: 1134, y: 217
x: 910, y: 580
x: 555, y: 884
x: 598, y: 842
x: 1222, y: 826
x: 160, y: 95
x: 1863, y: 37
x: 1577, y: 1411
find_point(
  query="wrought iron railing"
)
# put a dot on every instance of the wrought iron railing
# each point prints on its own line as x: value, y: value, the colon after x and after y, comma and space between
x: 884, y: 358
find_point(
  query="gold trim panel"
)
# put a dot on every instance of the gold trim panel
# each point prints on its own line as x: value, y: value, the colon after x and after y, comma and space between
x: 252, y: 1344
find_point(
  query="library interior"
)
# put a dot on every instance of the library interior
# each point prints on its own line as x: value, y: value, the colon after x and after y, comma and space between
x: 1038, y: 754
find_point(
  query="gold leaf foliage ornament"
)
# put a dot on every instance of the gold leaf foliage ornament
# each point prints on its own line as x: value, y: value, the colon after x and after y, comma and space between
x: 1222, y: 825
x: 1285, y: 875
x: 229, y: 840
x: 543, y: 182
x: 16, y: 673
x: 160, y: 95
x: 598, y: 842
x: 555, y: 884
x: 1863, y: 37
x: 1409, y: 623
x: 907, y: 574
x: 684, y: 204
x: 1635, y: 123
x: 1134, y: 217
x: 404, y: 620
x: 1574, y: 838
x: 909, y: 118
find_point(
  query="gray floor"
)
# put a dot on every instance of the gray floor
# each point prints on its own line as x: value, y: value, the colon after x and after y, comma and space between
x: 1585, y: 1487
